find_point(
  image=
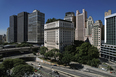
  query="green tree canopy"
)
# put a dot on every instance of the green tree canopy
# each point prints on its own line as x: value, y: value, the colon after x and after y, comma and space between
x: 55, y: 51
x: 43, y: 50
x: 17, y: 62
x: 66, y: 58
x: 20, y: 70
x: 51, y: 20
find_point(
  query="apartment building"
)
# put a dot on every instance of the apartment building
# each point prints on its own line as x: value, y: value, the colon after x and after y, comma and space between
x: 36, y: 21
x: 58, y: 34
x: 97, y: 34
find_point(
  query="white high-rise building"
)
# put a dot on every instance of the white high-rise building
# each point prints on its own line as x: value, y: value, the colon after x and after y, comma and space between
x: 58, y: 34
x: 97, y: 35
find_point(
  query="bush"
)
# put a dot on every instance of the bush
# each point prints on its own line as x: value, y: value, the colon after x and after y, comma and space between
x: 34, y: 53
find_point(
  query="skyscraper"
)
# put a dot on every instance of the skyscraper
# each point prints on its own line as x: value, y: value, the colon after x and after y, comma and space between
x: 8, y: 35
x: 80, y: 25
x: 108, y: 49
x: 22, y: 27
x: 36, y: 21
x: 13, y: 28
x: 97, y: 34
x: 90, y: 23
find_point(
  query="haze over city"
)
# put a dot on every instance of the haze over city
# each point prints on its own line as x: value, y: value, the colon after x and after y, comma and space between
x: 53, y: 8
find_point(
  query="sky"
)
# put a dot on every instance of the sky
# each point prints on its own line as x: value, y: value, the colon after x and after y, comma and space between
x: 54, y: 8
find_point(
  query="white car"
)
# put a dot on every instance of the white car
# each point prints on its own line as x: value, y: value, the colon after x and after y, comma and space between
x: 40, y: 66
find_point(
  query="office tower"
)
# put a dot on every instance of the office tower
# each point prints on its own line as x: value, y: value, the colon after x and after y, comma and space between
x: 13, y: 28
x: 108, y: 49
x: 58, y: 34
x: 1, y: 39
x: 70, y: 16
x: 36, y: 21
x: 88, y: 30
x: 90, y: 23
x: 8, y: 35
x: 80, y: 25
x: 22, y: 27
x: 97, y: 34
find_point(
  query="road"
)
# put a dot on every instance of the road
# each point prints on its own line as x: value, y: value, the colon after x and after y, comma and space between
x: 93, y: 72
x: 100, y: 73
x: 46, y: 70
x: 68, y: 72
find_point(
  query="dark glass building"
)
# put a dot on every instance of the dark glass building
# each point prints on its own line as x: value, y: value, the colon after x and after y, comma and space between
x: 36, y: 21
x: 22, y: 27
x: 13, y: 28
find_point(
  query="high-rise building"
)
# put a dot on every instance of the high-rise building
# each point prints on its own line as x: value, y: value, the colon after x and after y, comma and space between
x: 81, y: 19
x: 36, y: 21
x: 58, y: 34
x: 8, y: 35
x: 90, y: 23
x: 97, y: 34
x: 13, y: 28
x: 108, y: 13
x: 108, y: 49
x: 1, y: 38
x: 70, y: 16
x: 22, y: 27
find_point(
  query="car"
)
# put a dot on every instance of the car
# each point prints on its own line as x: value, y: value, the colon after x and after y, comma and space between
x: 54, y: 65
x: 40, y: 66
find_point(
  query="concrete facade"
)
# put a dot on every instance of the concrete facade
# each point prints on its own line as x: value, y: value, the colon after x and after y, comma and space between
x: 13, y: 28
x: 90, y: 23
x: 36, y: 21
x: 58, y: 34
x: 108, y: 13
x: 97, y: 34
x: 8, y: 35
x: 108, y: 50
x: 22, y: 27
x: 70, y: 16
x: 80, y: 25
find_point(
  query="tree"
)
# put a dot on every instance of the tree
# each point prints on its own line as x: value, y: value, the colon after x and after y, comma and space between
x: 70, y: 49
x: 8, y: 64
x: 51, y: 20
x: 21, y: 70
x: 43, y: 50
x: 55, y: 51
x: 2, y: 70
x: 93, y: 53
x: 66, y: 58
x: 17, y: 62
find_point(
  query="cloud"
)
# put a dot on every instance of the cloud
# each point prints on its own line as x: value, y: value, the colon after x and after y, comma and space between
x: 2, y: 32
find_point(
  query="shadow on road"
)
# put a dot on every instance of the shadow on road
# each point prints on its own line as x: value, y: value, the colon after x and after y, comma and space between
x: 76, y: 66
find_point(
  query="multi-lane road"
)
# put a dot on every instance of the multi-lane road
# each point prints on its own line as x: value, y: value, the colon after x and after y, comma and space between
x: 66, y: 72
